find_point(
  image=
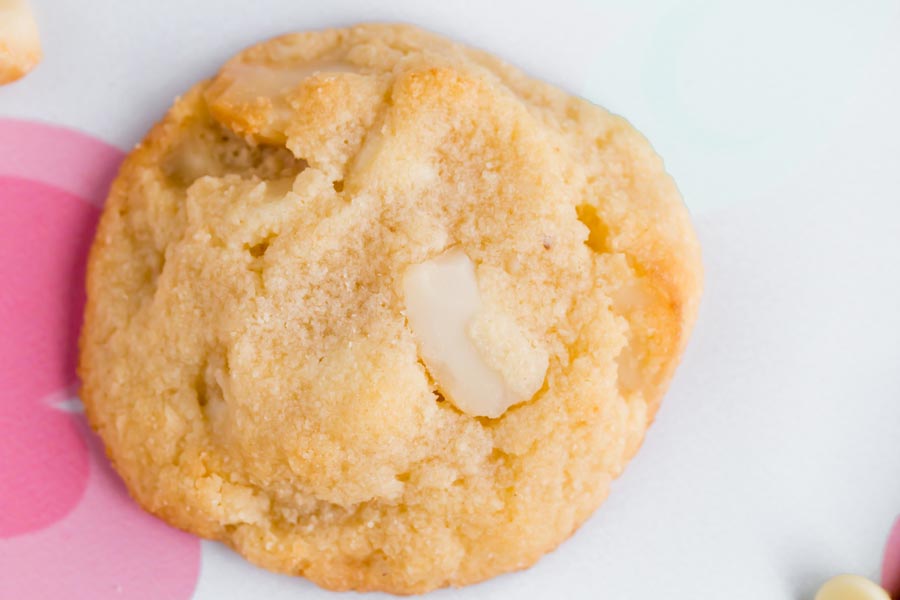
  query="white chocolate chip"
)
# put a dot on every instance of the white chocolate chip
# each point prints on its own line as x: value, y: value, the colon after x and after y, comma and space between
x: 268, y: 81
x: 480, y: 359
x: 253, y: 99
x: 20, y: 44
x: 850, y: 587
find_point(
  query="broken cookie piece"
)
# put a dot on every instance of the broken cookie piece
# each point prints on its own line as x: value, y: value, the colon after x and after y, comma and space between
x: 20, y: 44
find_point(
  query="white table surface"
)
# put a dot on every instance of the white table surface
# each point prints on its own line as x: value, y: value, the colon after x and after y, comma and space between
x: 775, y: 460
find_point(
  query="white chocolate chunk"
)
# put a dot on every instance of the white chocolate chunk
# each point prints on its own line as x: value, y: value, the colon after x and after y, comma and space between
x: 20, y: 44
x: 480, y: 359
x: 266, y: 81
x: 253, y: 99
x: 851, y: 587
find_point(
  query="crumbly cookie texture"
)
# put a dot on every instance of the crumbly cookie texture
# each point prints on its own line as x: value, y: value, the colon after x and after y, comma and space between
x: 250, y: 355
x: 20, y: 45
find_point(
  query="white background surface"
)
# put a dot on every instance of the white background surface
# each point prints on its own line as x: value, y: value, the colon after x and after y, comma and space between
x: 775, y: 460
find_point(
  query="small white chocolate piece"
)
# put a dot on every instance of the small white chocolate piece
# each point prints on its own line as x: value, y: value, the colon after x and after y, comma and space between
x: 20, y: 44
x: 851, y: 587
x: 254, y: 99
x: 480, y: 359
x: 266, y: 81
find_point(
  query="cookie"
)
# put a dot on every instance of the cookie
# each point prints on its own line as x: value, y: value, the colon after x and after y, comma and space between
x: 377, y: 309
x: 20, y: 45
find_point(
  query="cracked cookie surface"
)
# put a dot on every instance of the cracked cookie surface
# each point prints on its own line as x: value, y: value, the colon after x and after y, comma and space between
x: 246, y: 353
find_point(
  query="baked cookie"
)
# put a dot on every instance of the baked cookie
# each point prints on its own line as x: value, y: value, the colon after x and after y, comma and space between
x: 20, y: 45
x: 377, y: 309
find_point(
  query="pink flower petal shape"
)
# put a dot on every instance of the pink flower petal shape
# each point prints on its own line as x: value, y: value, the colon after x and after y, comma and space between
x: 890, y: 567
x: 67, y: 527
x: 106, y: 547
x: 60, y: 157
x: 51, y: 182
x: 43, y: 459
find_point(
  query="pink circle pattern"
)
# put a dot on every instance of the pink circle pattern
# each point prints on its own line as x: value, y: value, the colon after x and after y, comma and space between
x: 67, y: 526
